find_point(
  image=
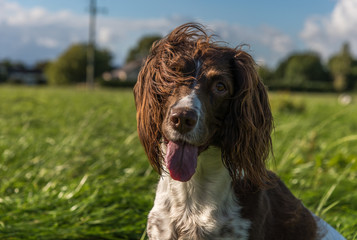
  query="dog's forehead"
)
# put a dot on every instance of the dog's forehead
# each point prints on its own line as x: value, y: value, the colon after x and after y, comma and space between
x: 198, y: 66
x: 214, y: 62
x: 212, y: 70
x: 206, y: 68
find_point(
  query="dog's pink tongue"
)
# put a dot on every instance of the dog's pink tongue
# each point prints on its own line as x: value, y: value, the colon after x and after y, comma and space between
x: 181, y: 160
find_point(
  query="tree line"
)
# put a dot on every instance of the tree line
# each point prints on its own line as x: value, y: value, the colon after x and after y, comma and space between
x: 307, y: 72
x: 300, y: 71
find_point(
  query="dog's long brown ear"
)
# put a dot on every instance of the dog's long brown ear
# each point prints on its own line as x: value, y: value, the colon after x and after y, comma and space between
x: 246, y: 138
x: 148, y: 115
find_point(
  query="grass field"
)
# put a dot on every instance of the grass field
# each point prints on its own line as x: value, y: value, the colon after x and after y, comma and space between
x: 71, y: 166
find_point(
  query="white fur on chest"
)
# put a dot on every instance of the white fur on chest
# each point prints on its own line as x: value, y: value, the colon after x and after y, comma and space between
x: 203, y: 208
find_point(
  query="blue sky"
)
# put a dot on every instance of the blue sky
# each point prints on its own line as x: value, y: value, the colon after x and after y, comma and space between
x: 288, y: 15
x: 33, y: 30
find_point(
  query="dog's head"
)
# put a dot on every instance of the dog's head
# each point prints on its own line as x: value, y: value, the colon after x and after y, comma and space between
x: 192, y: 93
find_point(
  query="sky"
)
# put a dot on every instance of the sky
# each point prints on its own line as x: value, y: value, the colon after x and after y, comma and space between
x: 37, y: 30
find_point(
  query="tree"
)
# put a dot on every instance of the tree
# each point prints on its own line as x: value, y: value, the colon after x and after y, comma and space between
x: 266, y: 74
x: 280, y: 70
x: 303, y: 71
x: 353, y: 75
x: 41, y: 65
x: 341, y: 67
x: 142, y: 48
x: 70, y: 67
x: 306, y: 67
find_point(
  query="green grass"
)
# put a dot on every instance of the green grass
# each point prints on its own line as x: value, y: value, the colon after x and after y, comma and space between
x: 71, y: 165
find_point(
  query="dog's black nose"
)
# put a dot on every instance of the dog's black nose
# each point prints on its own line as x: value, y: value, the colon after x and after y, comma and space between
x: 182, y: 119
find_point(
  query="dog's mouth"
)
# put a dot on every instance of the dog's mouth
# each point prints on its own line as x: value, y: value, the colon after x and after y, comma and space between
x: 181, y: 159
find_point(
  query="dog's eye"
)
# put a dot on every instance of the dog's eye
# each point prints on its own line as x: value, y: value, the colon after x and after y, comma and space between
x: 220, y: 87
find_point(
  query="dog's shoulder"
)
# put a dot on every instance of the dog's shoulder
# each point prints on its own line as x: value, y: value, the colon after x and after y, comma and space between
x: 274, y: 211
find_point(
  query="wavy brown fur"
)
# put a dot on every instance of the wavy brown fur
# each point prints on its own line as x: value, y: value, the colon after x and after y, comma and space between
x: 246, y: 130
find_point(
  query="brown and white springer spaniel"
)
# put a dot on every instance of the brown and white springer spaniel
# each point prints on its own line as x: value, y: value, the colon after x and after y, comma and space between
x: 205, y: 122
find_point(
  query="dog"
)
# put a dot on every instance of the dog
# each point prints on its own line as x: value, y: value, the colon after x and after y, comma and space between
x: 204, y: 120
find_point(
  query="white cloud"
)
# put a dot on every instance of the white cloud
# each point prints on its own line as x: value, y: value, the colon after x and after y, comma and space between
x: 48, y: 42
x: 326, y: 34
x: 36, y: 33
x: 121, y: 34
x: 280, y: 42
x: 267, y: 44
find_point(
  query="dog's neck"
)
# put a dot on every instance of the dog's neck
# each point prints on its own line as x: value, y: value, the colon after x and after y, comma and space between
x: 204, y: 205
x: 211, y: 177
